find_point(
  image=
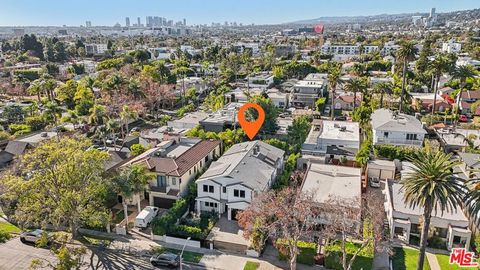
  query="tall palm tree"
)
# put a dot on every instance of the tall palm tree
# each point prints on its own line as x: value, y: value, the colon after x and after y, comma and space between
x: 432, y: 186
x: 354, y: 86
x: 472, y: 202
x: 438, y: 66
x: 130, y: 182
x: 382, y: 89
x: 97, y: 115
x: 126, y: 115
x: 462, y: 73
x: 334, y: 74
x: 405, y: 53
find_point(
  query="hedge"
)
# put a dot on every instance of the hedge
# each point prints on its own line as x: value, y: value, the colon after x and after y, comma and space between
x: 392, y: 152
x: 166, y: 223
x: 307, y: 251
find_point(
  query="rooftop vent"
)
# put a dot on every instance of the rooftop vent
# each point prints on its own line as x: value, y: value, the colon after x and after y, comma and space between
x: 343, y: 128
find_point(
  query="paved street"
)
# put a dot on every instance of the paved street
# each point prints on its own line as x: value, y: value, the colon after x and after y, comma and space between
x: 16, y: 255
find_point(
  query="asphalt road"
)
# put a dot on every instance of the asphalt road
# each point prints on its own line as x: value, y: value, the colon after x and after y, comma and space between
x: 16, y: 255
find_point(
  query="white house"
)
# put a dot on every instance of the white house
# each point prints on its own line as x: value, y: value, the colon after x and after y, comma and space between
x: 326, y: 182
x: 231, y: 182
x: 405, y: 221
x: 306, y: 92
x: 175, y: 161
x: 261, y: 80
x: 95, y: 49
x: 329, y: 140
x: 396, y: 128
x: 279, y: 99
x: 451, y: 47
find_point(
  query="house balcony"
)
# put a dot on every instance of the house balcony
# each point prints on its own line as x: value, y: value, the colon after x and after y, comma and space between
x: 158, y: 189
x: 418, y: 143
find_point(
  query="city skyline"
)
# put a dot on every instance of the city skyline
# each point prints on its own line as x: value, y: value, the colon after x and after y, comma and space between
x: 57, y: 13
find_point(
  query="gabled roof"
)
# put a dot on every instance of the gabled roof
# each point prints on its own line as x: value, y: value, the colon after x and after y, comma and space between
x: 385, y: 119
x: 181, y: 164
x: 251, y: 164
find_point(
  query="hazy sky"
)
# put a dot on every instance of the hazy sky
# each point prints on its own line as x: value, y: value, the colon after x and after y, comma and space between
x: 109, y: 12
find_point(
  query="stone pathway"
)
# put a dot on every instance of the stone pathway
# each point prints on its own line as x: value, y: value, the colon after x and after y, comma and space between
x: 432, y: 260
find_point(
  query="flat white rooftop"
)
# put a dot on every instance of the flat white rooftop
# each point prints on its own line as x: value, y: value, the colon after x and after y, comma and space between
x: 334, y: 130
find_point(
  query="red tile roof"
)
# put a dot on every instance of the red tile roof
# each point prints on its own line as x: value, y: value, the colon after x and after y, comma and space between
x: 185, y: 161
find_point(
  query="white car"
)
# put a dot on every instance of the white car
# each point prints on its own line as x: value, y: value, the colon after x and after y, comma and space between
x: 374, y: 182
x: 146, y: 216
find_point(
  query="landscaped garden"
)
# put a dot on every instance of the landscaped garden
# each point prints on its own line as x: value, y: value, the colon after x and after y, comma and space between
x: 333, y: 256
x: 406, y: 259
x: 306, y: 255
x: 194, y: 226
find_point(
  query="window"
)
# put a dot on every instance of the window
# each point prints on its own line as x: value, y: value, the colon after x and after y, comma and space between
x: 208, y: 188
x: 206, y: 159
x: 224, y: 189
x: 174, y: 181
x: 190, y: 172
x: 161, y: 181
x: 385, y: 134
x: 412, y: 137
x: 211, y: 204
x: 239, y: 193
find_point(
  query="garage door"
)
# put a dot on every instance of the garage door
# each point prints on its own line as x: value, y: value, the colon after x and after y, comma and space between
x: 386, y: 174
x: 374, y: 173
x: 234, y: 213
x: 163, y: 202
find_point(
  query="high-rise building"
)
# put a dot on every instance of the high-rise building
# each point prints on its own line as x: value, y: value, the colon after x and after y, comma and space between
x: 139, y: 22
x: 88, y: 24
x: 127, y: 22
x: 184, y: 22
x: 149, y: 21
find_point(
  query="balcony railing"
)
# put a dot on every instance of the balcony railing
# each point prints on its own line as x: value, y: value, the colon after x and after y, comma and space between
x: 158, y: 189
x: 400, y: 141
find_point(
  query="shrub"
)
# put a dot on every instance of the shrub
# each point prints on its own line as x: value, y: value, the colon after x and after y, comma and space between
x: 392, y: 152
x: 19, y: 129
x: 307, y: 251
x: 4, y: 236
x: 437, y: 242
x: 137, y: 149
x: 189, y: 231
x: 35, y: 122
x: 4, y: 135
x: 166, y: 223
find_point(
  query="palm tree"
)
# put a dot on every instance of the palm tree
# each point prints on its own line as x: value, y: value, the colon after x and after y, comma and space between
x: 126, y: 114
x: 130, y: 182
x: 472, y: 202
x: 439, y: 65
x: 432, y: 186
x: 53, y: 110
x: 112, y: 127
x: 333, y: 78
x: 406, y: 53
x: 97, y: 115
x: 35, y: 89
x: 462, y: 73
x: 382, y: 89
x: 354, y: 86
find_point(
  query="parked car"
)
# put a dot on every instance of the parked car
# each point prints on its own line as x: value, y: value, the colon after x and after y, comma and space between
x: 165, y: 259
x: 327, y: 110
x: 340, y: 118
x: 463, y: 118
x: 146, y: 216
x: 33, y: 236
x: 374, y: 182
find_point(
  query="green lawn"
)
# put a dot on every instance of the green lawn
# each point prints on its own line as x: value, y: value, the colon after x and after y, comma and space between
x: 406, y: 259
x: 363, y: 261
x: 9, y: 227
x: 188, y: 256
x: 443, y: 261
x: 97, y: 240
x: 251, y: 265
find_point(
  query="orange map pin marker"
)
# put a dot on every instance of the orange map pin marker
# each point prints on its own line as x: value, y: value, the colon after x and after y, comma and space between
x: 251, y: 128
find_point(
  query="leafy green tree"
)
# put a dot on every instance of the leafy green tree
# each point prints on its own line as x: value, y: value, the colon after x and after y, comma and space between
x: 433, y: 187
x: 298, y: 132
x: 384, y: 88
x: 129, y: 182
x: 137, y: 149
x: 66, y: 93
x: 270, y: 125
x: 405, y: 53
x: 64, y: 185
x: 334, y: 74
x: 320, y: 103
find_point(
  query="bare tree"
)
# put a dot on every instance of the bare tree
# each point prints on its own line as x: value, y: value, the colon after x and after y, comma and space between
x: 284, y: 215
x: 358, y: 220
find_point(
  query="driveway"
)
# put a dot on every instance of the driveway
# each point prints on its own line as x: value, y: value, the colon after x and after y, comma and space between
x: 16, y: 255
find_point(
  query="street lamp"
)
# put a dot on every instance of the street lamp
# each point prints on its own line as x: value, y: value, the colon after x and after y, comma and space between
x: 181, y: 253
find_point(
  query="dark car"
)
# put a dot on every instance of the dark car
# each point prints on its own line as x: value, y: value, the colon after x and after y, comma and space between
x: 33, y: 236
x: 340, y: 118
x: 165, y: 259
x: 463, y: 118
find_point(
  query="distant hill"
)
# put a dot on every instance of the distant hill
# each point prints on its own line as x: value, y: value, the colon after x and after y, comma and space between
x: 472, y: 14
